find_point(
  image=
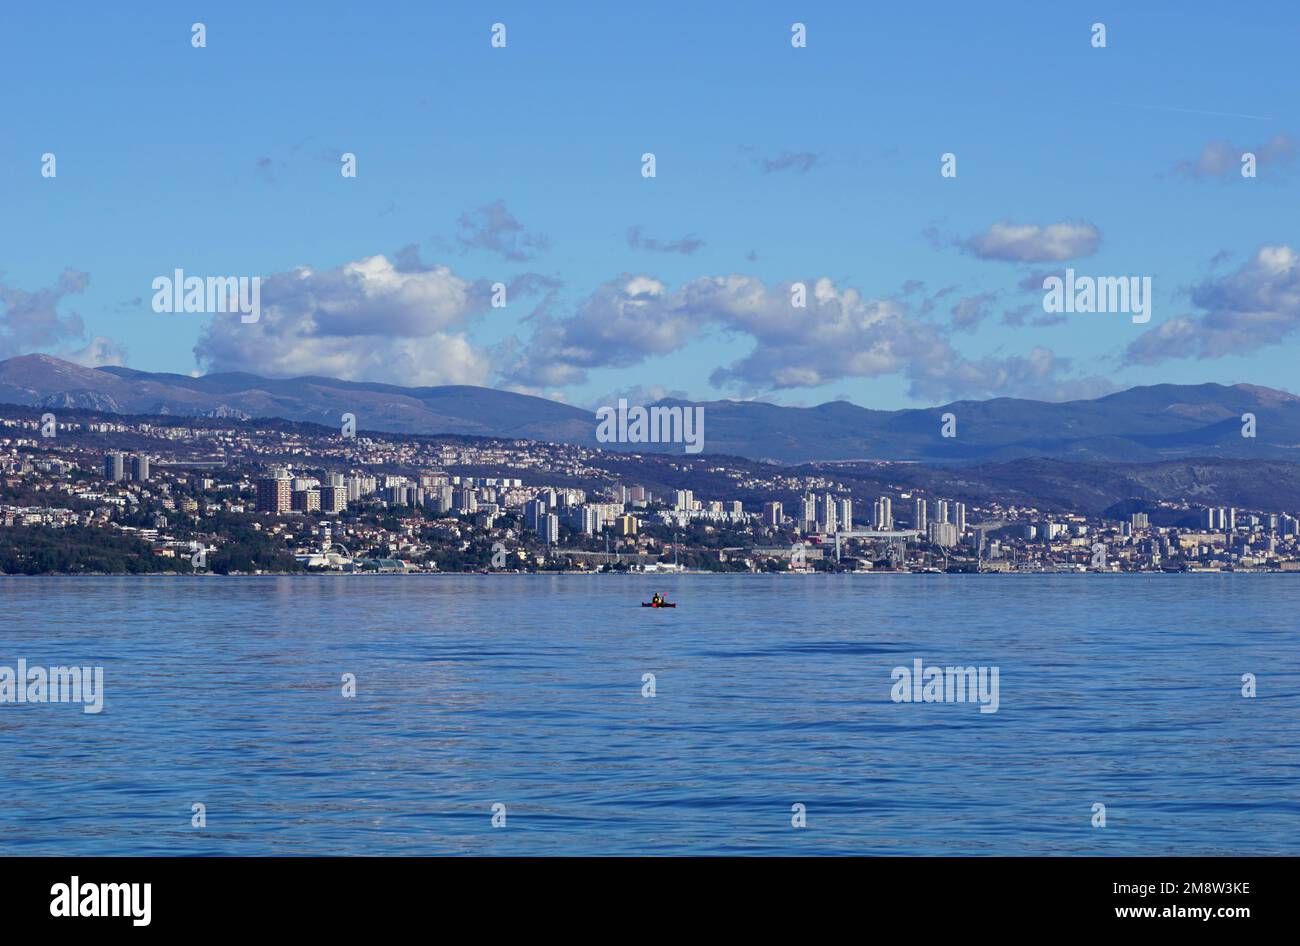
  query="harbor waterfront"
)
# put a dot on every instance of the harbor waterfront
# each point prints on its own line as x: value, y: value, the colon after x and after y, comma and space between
x: 551, y: 714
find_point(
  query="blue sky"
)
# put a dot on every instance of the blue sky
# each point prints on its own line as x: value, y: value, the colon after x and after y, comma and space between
x: 774, y: 165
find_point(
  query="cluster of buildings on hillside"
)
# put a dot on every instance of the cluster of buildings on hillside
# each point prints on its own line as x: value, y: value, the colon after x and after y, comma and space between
x: 51, y: 516
x: 410, y: 501
x: 482, y: 499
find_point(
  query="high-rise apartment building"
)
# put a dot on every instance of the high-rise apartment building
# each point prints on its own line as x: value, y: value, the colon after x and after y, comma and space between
x: 305, y: 500
x: 274, y: 493
x: 114, y: 466
x: 333, y: 499
x: 826, y: 521
x: 844, y: 513
x: 534, y: 511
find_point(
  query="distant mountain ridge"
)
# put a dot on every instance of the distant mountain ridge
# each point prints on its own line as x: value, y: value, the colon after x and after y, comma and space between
x: 1142, y: 424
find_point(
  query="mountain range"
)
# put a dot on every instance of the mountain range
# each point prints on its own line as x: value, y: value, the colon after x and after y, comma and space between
x: 1138, y: 425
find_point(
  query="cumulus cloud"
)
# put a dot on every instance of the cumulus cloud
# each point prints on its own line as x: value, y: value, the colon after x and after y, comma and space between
x: 1031, y: 243
x: 620, y: 324
x: 1220, y: 158
x: 367, y: 320
x: 31, y: 321
x: 686, y: 245
x: 493, y: 228
x: 407, y: 260
x: 1255, y: 306
x: 839, y: 334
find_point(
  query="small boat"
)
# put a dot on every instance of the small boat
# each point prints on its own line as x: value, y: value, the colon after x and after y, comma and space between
x: 666, y: 604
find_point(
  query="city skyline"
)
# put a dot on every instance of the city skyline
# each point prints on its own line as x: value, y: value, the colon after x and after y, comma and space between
x: 190, y: 491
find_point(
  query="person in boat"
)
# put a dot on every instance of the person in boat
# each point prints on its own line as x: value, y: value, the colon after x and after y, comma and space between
x: 657, y: 600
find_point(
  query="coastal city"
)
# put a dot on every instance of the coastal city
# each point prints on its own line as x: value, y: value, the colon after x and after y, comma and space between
x: 90, y: 493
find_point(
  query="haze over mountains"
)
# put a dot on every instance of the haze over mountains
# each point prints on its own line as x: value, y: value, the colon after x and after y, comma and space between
x: 1143, y: 424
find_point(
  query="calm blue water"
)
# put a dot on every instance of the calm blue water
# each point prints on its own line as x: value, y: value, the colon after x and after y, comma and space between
x: 526, y: 691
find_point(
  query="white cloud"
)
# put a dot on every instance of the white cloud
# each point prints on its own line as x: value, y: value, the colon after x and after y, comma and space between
x: 1031, y: 243
x: 1256, y: 306
x: 618, y: 325
x: 31, y: 320
x: 364, y: 320
x: 840, y: 334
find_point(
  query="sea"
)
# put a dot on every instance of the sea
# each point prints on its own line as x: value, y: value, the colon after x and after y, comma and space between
x: 554, y: 715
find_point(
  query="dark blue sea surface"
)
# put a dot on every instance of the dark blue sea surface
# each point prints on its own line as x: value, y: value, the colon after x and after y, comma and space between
x: 771, y: 691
